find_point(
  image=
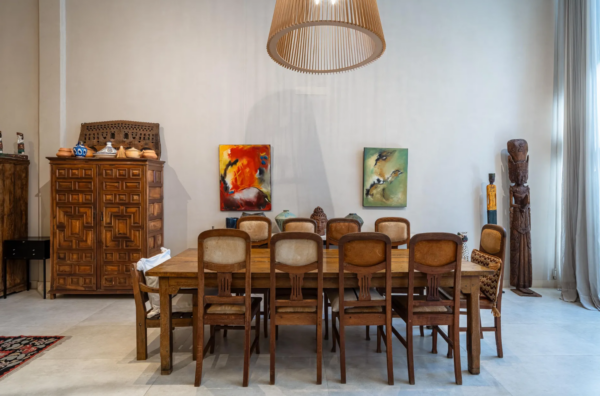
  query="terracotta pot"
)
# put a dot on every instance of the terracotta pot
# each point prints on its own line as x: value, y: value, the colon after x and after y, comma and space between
x: 64, y: 152
x: 121, y: 152
x: 133, y: 153
x: 89, y: 153
x: 149, y: 154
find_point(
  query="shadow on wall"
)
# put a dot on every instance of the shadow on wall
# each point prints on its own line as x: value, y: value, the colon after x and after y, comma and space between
x: 175, y: 205
x: 286, y: 121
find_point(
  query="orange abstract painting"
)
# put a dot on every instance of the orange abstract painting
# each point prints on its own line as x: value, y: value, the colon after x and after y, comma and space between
x: 245, y: 177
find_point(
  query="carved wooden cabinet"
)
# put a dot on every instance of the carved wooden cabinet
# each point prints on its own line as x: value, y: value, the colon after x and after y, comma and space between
x: 14, y: 187
x: 106, y: 214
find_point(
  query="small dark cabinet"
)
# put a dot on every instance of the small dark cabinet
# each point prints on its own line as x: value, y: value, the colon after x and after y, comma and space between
x: 29, y: 248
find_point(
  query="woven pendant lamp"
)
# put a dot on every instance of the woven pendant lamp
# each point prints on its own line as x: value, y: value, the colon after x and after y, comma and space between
x: 325, y: 36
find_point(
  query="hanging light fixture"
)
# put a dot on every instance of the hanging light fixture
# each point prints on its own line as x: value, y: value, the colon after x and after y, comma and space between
x: 325, y: 36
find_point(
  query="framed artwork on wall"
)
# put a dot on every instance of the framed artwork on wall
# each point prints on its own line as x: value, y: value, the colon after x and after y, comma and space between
x: 245, y: 177
x: 385, y: 172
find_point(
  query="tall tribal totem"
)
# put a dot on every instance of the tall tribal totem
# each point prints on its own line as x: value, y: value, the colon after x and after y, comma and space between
x: 520, y: 217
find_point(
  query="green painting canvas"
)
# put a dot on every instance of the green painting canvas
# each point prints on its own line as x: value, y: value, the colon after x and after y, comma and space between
x: 385, y: 171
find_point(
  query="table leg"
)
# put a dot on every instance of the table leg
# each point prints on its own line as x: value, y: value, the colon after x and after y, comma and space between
x: 44, y: 269
x: 166, y: 335
x: 4, y: 276
x: 27, y: 272
x: 473, y: 327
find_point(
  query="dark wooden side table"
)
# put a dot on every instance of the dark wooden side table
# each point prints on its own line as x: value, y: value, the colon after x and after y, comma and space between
x: 28, y: 248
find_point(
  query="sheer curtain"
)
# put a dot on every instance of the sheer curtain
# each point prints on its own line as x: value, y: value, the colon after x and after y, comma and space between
x: 579, y: 52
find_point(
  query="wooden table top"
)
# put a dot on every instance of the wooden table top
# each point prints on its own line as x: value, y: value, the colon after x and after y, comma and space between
x: 185, y: 264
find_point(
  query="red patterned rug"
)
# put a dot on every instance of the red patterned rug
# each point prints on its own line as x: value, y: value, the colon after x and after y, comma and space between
x: 19, y: 350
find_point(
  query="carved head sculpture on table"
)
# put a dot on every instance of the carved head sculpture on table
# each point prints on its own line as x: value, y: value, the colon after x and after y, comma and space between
x: 520, y: 217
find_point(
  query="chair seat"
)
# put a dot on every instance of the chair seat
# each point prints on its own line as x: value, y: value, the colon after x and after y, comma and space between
x: 232, y: 309
x: 174, y: 315
x: 484, y: 302
x: 296, y: 309
x: 351, y: 295
x: 400, y: 303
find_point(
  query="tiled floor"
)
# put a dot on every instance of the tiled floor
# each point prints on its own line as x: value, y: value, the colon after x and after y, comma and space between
x: 550, y: 348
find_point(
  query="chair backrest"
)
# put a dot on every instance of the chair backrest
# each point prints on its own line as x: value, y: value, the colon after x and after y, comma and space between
x: 435, y: 254
x: 224, y: 251
x: 493, y: 242
x: 365, y: 253
x: 297, y: 253
x: 337, y: 228
x: 258, y: 227
x: 140, y: 289
x: 397, y: 228
x: 299, y: 224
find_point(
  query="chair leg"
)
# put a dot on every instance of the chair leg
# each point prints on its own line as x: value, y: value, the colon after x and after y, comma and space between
x: 379, y: 339
x: 409, y: 354
x: 319, y: 349
x: 333, y: 333
x: 342, y: 338
x: 246, y: 353
x: 434, y: 335
x: 498, y: 333
x: 142, y: 341
x: 368, y: 337
x: 422, y: 330
x: 225, y: 332
x: 199, y: 353
x: 326, y: 301
x: 267, y: 312
x: 272, y: 350
x: 194, y: 324
x: 257, y: 335
x: 457, y: 369
x: 480, y: 327
x: 450, y: 336
x: 212, y: 336
x: 276, y: 332
x: 390, y: 357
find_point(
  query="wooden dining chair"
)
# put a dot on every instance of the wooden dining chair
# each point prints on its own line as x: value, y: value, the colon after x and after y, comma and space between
x: 260, y: 229
x: 363, y: 254
x: 299, y: 224
x: 295, y: 254
x: 433, y: 255
x: 225, y: 251
x: 143, y: 323
x: 492, y: 246
x: 335, y: 229
x: 398, y: 229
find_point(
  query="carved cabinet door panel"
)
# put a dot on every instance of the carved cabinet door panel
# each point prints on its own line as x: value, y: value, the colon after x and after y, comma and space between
x: 122, y: 196
x: 74, y: 239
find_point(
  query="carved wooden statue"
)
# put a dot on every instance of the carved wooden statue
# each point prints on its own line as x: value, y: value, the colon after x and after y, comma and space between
x: 492, y: 216
x: 520, y: 217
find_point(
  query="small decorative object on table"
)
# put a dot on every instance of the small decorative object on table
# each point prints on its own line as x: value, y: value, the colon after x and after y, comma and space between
x: 107, y: 152
x: 355, y: 217
x: 1, y: 146
x: 492, y: 216
x: 80, y: 150
x: 231, y: 222
x: 521, y: 276
x: 90, y: 152
x: 121, y: 152
x: 465, y: 247
x: 244, y: 214
x: 64, y: 152
x: 133, y: 153
x: 20, y: 143
x: 149, y: 154
x: 321, y: 218
x: 286, y: 214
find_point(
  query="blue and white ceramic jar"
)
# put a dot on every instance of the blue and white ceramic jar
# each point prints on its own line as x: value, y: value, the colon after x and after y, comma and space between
x: 80, y: 150
x: 281, y: 217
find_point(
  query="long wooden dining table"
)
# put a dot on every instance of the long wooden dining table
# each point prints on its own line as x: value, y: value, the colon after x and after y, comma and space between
x: 181, y: 271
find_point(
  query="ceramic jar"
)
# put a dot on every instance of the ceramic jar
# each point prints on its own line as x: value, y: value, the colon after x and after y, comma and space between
x: 321, y: 218
x: 149, y: 154
x: 108, y: 151
x: 231, y: 222
x: 64, y: 152
x: 80, y: 150
x: 133, y: 153
x: 286, y: 214
x: 355, y: 217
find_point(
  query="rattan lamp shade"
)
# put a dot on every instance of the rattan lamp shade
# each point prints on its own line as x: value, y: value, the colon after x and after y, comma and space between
x: 325, y: 36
